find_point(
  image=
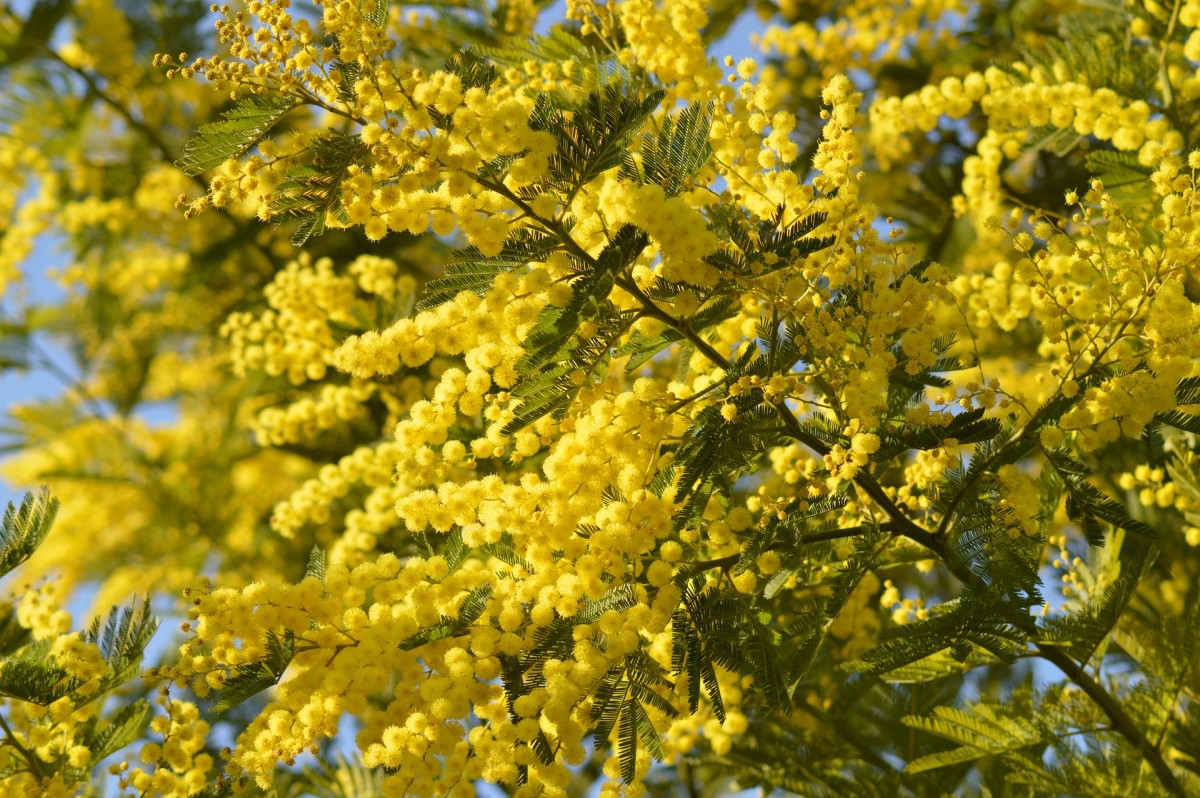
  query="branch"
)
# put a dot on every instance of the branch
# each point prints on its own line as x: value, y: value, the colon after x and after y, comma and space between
x: 1034, y: 422
x: 35, y: 764
x: 802, y: 540
x: 156, y: 141
x: 1122, y: 723
x: 904, y: 525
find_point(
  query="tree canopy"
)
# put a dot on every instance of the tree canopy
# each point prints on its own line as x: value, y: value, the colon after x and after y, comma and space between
x: 497, y: 393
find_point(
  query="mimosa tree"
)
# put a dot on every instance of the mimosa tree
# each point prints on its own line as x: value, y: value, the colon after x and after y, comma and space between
x: 495, y: 398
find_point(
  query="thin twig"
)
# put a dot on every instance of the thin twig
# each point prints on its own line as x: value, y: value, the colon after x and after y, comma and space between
x: 1122, y: 723
x: 904, y: 525
x: 730, y: 560
x: 35, y: 764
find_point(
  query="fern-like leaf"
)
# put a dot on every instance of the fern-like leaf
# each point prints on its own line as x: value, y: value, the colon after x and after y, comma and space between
x: 472, y: 607
x: 23, y: 529
x: 244, y: 126
x: 470, y: 270
x: 312, y: 191
x: 1081, y: 633
x: 316, y: 564
x: 620, y: 703
x: 340, y: 778
x: 1086, y: 505
x: 1188, y: 422
x: 595, y: 136
x: 979, y: 733
x: 123, y: 638
x: 34, y: 676
x: 254, y: 677
x: 12, y: 634
x: 125, y: 726
x: 677, y: 153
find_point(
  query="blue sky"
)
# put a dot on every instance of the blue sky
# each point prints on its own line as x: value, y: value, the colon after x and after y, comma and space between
x: 17, y: 387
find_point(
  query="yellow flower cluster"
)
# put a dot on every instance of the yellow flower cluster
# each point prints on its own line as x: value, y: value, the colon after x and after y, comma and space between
x: 1020, y: 497
x: 40, y: 611
x: 294, y: 336
x: 180, y: 764
x: 21, y: 223
x: 680, y: 231
x: 432, y: 686
x: 558, y: 515
x: 752, y: 143
x: 863, y: 36
x: 48, y: 733
x: 80, y: 659
x: 928, y: 467
x: 1082, y: 581
x: 372, y: 467
x: 664, y: 39
x: 55, y: 732
x: 1030, y: 98
x: 857, y: 625
x: 844, y: 464
x: 423, y: 177
x: 611, y: 443
x: 1152, y: 488
x: 305, y: 418
x: 104, y: 44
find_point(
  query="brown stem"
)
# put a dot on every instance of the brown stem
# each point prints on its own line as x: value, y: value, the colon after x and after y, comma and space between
x: 904, y: 525
x: 1121, y: 722
x: 35, y: 764
x: 802, y: 540
x: 155, y: 140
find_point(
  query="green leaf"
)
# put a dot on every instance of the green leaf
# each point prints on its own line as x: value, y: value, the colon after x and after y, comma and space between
x: 966, y: 427
x: 311, y: 192
x: 677, y: 153
x: 33, y: 676
x: 1118, y: 169
x: 931, y: 668
x: 793, y: 241
x: 704, y: 631
x: 125, y: 726
x: 1082, y: 632
x: 340, y: 778
x: 620, y: 703
x: 1188, y: 422
x: 715, y: 450
x: 1086, y: 505
x: 557, y: 641
x: 14, y: 347
x: 316, y: 564
x: 595, y: 136
x: 12, y: 634
x: 470, y: 270
x: 593, y: 68
x: 473, y: 606
x: 254, y: 677
x: 1187, y: 392
x: 473, y: 69
x: 985, y: 617
x: 556, y: 355
x: 981, y: 732
x: 244, y: 126
x: 24, y: 529
x: 123, y: 638
x: 505, y: 551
